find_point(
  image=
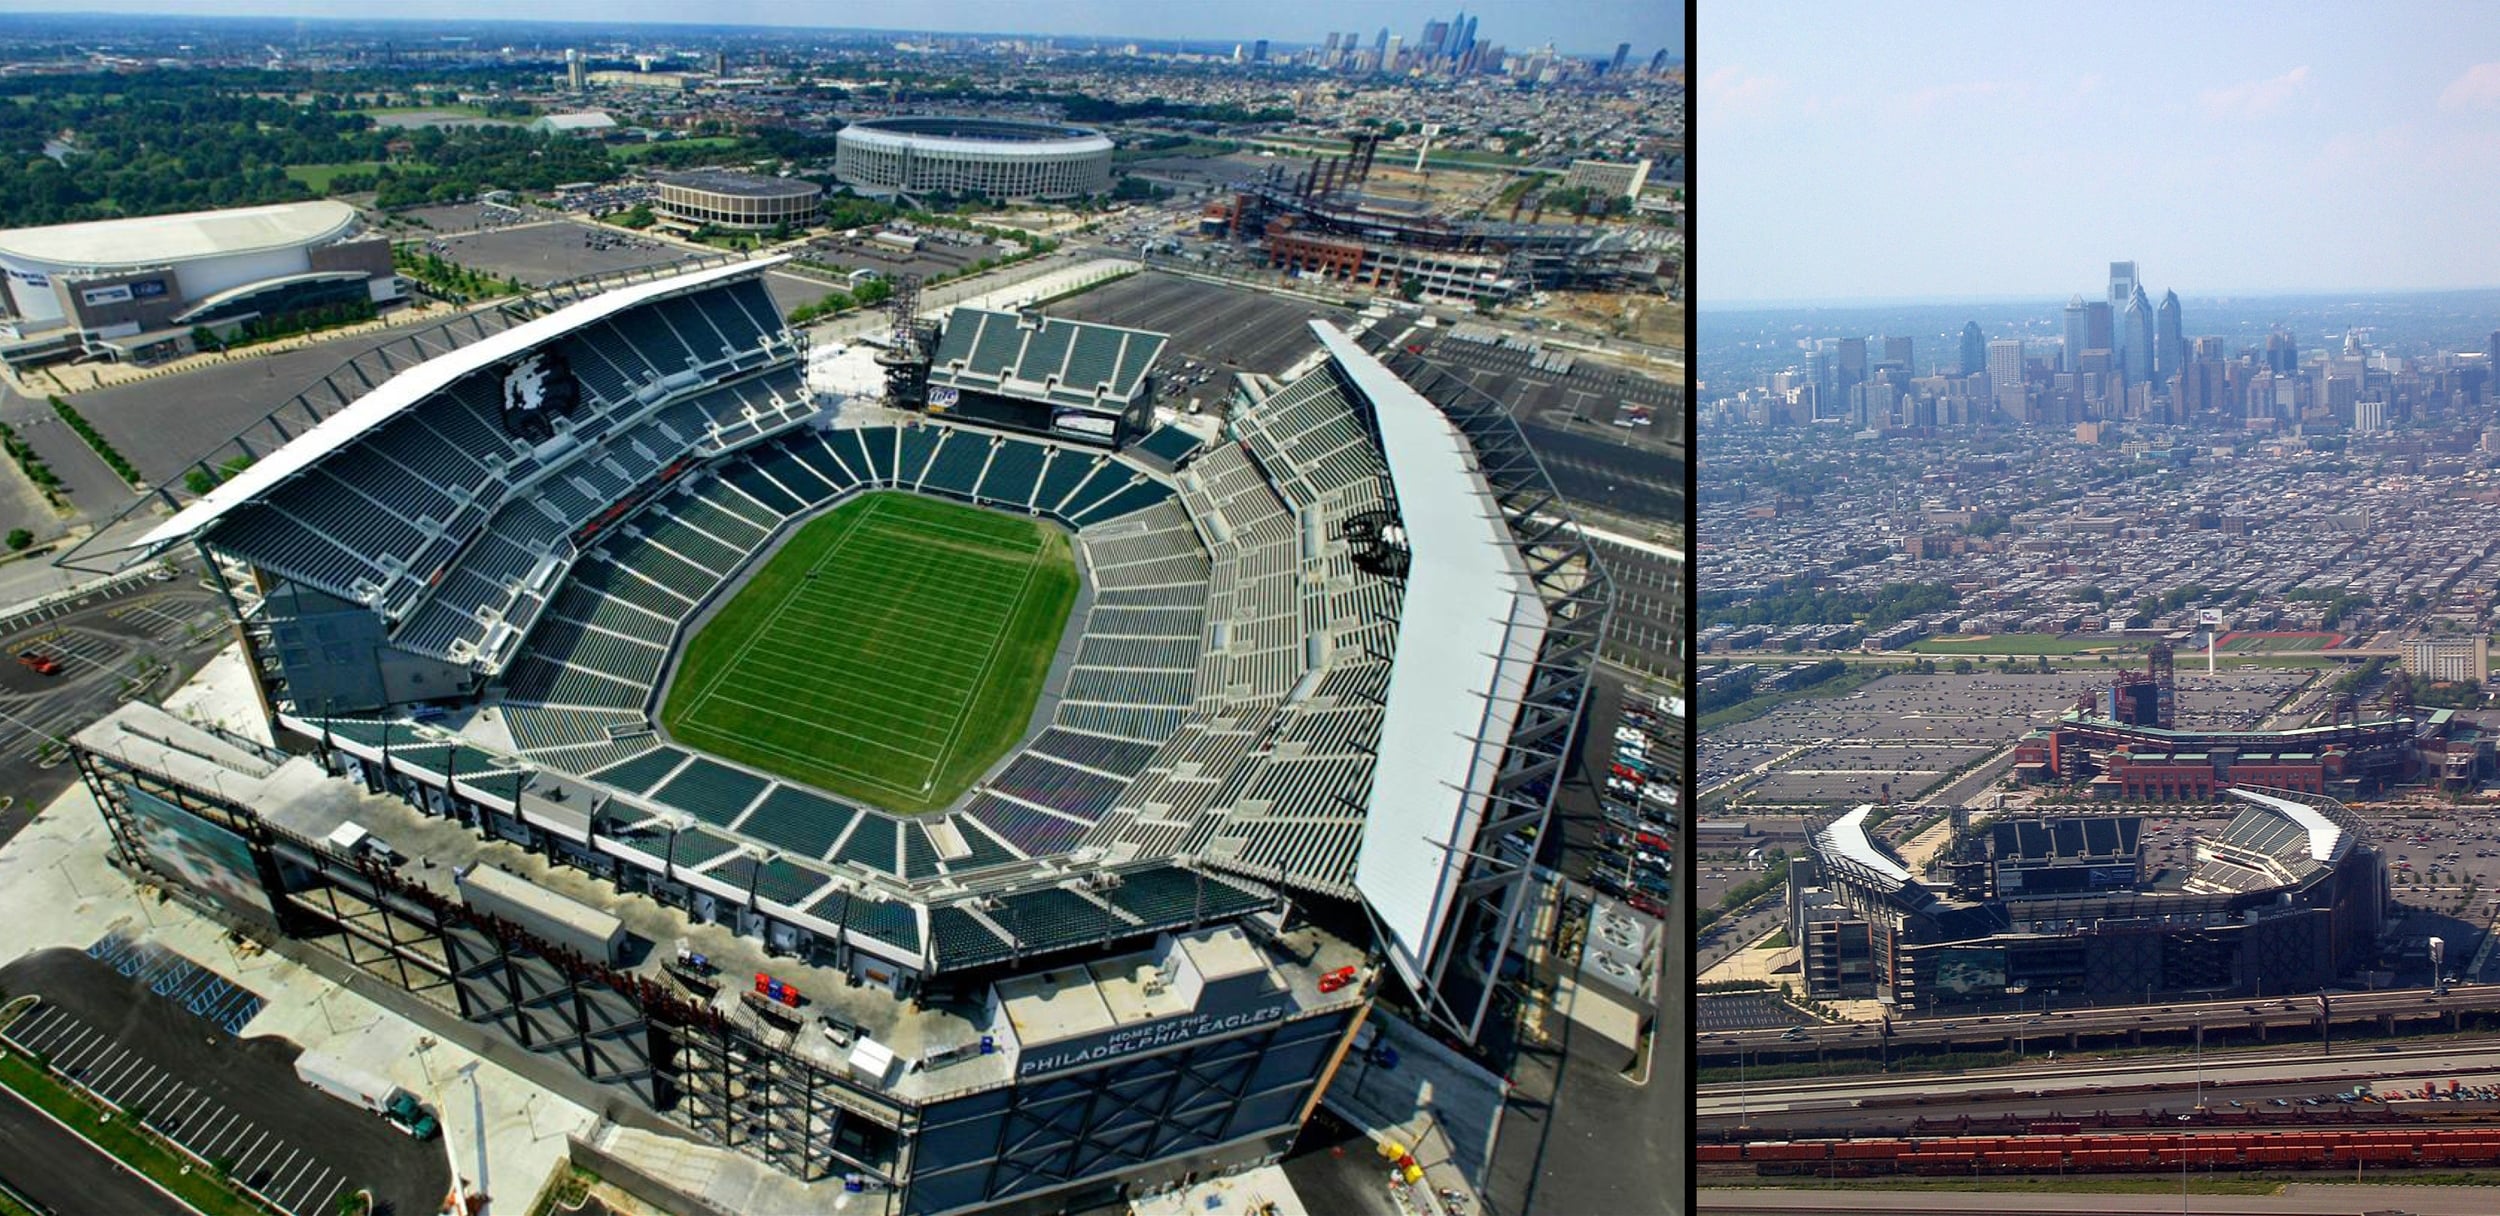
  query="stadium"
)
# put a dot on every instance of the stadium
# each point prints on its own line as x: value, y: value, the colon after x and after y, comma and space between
x: 992, y: 157
x: 1062, y: 789
x: 137, y: 288
x: 745, y: 201
x: 2289, y: 897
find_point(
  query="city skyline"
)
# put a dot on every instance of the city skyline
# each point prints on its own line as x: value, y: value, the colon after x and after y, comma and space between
x: 1952, y: 154
x: 1588, y: 28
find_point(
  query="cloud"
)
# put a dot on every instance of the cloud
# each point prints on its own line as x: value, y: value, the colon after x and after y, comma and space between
x: 2479, y: 87
x: 1738, y: 93
x: 2254, y: 98
x: 1923, y: 102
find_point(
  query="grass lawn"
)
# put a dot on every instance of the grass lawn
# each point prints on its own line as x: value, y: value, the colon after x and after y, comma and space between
x: 2021, y: 643
x: 317, y: 178
x: 199, y: 1188
x: 891, y: 651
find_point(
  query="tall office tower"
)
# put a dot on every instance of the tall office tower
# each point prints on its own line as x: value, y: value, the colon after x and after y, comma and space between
x: 1852, y: 369
x: 1975, y: 347
x: 1623, y: 51
x: 1897, y: 350
x: 2005, y: 376
x: 2100, y: 329
x: 2282, y: 352
x: 1389, y: 56
x: 2122, y: 286
x: 1822, y: 378
x: 1347, y: 48
x: 1466, y: 36
x: 2136, y: 337
x: 1258, y: 51
x: 2078, y: 335
x: 573, y: 80
x: 1380, y: 44
x: 2492, y: 351
x: 2169, y: 346
x: 1328, y: 53
x: 1435, y: 33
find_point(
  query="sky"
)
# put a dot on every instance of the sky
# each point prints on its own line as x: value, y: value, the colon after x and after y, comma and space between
x: 1929, y: 151
x: 1583, y: 26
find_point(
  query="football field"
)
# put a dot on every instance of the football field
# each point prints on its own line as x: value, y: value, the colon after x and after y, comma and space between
x: 891, y: 651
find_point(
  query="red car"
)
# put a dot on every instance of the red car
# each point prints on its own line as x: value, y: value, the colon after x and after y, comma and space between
x: 1336, y: 979
x: 40, y: 663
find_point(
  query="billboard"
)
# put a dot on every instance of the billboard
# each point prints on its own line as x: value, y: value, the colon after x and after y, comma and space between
x: 1968, y: 970
x: 2209, y: 618
x: 942, y: 398
x: 200, y: 854
x: 148, y: 289
x: 538, y: 388
x: 1163, y: 1032
x: 115, y: 294
x: 1077, y: 422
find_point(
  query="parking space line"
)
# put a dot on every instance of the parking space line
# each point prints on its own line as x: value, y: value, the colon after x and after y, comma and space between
x: 72, y: 1037
x: 243, y: 1161
x: 281, y: 1178
x: 208, y: 1139
x: 74, y: 1047
x: 91, y: 1053
x: 221, y: 1145
x: 324, y: 1184
x: 147, y: 1097
x: 33, y: 1029
x: 187, y: 1107
x: 110, y: 1082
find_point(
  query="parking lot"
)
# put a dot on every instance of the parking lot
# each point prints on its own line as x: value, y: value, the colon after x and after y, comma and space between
x: 95, y: 648
x: 936, y: 255
x: 1231, y: 328
x: 1559, y: 386
x: 1909, y: 732
x: 538, y: 251
x: 232, y: 1101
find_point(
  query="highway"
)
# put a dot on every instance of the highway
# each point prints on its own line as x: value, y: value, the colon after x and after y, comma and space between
x: 2299, y: 1197
x: 2403, y: 1004
x: 2040, y: 1089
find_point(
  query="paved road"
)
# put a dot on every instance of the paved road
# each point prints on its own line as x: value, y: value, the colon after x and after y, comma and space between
x: 62, y: 1172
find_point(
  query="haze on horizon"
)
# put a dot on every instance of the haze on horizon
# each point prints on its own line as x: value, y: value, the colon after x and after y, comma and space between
x: 1936, y: 152
x: 1580, y: 27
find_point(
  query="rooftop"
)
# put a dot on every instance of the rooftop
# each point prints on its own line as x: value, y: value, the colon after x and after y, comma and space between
x: 744, y: 185
x: 156, y: 239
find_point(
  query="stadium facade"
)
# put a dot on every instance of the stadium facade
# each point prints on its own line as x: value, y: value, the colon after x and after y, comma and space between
x: 993, y: 157
x: 748, y: 202
x: 1322, y: 224
x: 1323, y: 680
x: 2290, y: 897
x: 135, y: 289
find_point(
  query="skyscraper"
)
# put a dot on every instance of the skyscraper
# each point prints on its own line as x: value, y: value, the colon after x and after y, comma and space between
x: 2078, y: 335
x: 2122, y: 284
x: 2136, y: 328
x: 1258, y: 51
x: 1466, y: 37
x: 1623, y: 51
x: 2005, y: 376
x: 1975, y: 347
x: 2169, y: 346
x: 1897, y: 350
x: 2100, y: 330
x: 1389, y: 56
x: 1435, y: 33
x: 1380, y: 44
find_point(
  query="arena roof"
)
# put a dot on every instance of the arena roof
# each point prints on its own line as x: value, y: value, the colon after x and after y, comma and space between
x: 743, y: 185
x: 406, y: 389
x: 157, y: 239
x: 1051, y: 359
x: 1470, y: 627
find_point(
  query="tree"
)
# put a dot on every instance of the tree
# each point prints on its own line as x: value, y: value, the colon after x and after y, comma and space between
x: 1410, y: 288
x: 19, y: 538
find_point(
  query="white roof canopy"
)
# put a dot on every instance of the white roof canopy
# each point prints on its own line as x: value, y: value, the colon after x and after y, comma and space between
x: 1469, y: 629
x: 405, y: 390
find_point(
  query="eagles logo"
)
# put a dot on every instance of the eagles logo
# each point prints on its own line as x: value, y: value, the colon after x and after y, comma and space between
x: 537, y: 390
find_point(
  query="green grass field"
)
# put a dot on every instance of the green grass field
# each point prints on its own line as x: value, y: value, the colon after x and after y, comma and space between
x: 891, y: 651
x: 317, y: 178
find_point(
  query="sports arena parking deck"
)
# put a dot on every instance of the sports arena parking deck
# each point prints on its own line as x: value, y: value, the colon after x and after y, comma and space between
x: 1232, y: 328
